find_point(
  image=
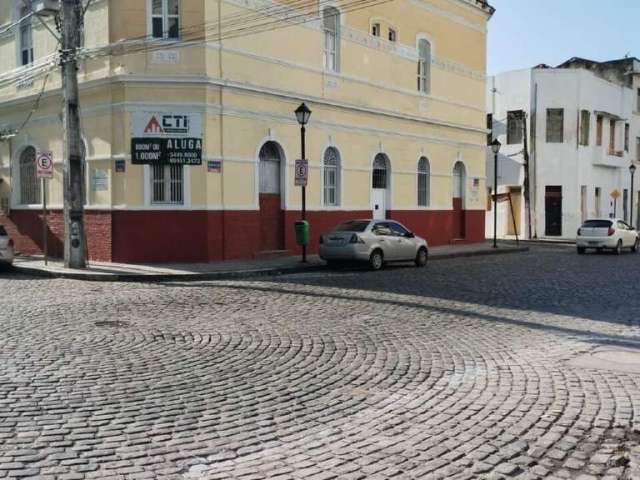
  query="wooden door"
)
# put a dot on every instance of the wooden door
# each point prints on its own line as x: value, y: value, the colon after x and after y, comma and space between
x: 271, y: 213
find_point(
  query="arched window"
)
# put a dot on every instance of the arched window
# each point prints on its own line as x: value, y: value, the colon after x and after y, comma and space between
x: 424, y: 182
x: 331, y: 25
x: 379, y: 175
x: 331, y: 177
x: 459, y: 179
x: 29, y: 191
x: 270, y: 159
x: 424, y: 65
x: 26, y: 37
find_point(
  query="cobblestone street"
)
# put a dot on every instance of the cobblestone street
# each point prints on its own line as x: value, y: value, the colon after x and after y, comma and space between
x: 511, y: 366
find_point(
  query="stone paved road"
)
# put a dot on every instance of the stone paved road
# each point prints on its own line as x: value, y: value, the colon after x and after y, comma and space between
x: 488, y: 367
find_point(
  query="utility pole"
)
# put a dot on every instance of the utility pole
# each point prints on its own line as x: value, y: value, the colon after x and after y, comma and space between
x: 75, y: 250
x: 527, y: 191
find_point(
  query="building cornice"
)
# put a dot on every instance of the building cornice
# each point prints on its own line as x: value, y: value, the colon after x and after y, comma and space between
x: 252, y: 88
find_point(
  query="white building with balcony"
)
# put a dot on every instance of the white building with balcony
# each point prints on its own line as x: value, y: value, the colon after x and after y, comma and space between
x: 580, y: 124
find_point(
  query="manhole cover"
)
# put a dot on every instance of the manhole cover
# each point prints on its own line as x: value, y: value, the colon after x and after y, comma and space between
x: 607, y: 358
x: 111, y: 324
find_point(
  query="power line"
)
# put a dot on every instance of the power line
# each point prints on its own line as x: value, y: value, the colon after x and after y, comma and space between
x: 238, y: 26
x: 16, y: 23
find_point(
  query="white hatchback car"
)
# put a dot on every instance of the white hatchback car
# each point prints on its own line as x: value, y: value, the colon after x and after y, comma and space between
x: 607, y: 233
x: 6, y: 248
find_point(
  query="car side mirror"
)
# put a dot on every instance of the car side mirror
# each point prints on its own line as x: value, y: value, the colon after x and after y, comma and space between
x: 410, y: 235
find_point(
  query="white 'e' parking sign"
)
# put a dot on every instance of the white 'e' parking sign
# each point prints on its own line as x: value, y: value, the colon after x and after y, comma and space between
x: 44, y: 165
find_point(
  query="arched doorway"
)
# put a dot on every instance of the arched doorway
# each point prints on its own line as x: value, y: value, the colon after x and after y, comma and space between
x: 459, y: 190
x: 270, y: 187
x: 380, y: 186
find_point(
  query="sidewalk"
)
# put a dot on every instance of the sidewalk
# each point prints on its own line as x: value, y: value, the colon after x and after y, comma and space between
x: 104, y: 271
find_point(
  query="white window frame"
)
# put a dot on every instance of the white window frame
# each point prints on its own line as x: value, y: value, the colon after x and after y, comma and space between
x: 336, y: 187
x: 424, y: 72
x: 164, y: 16
x: 331, y: 39
x: 166, y: 184
x: 25, y: 25
x: 426, y: 175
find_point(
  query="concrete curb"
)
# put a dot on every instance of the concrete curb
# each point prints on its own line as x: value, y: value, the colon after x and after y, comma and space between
x: 231, y: 275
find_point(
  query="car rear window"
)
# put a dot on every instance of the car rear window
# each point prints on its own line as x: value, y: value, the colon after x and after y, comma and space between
x: 3, y: 232
x: 352, y: 226
x: 597, y: 224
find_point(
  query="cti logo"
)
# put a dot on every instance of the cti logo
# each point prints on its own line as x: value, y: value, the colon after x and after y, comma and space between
x: 170, y: 124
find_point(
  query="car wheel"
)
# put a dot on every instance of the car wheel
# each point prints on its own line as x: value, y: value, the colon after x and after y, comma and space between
x: 581, y: 250
x: 618, y: 249
x: 636, y: 245
x: 421, y: 258
x: 376, y: 260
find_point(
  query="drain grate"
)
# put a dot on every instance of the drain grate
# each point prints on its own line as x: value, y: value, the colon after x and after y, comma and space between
x: 111, y: 324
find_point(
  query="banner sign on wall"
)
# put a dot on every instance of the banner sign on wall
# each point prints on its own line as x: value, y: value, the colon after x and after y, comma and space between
x: 165, y: 138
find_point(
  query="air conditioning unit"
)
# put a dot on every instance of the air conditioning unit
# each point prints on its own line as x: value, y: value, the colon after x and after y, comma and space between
x: 46, y: 8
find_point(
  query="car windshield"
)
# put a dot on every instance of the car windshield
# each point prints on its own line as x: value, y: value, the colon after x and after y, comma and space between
x: 596, y: 224
x: 352, y: 226
x: 3, y: 232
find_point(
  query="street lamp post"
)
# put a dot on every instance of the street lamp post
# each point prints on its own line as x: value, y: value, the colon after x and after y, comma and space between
x: 632, y: 170
x: 302, y: 115
x: 495, y: 148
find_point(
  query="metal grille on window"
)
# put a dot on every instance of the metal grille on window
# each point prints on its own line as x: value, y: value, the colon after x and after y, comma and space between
x: 157, y: 182
x: 331, y: 176
x: 29, y: 188
x: 175, y: 183
x: 331, y: 23
x: 26, y: 38
x: 167, y: 182
x: 379, y: 178
x: 424, y: 174
x: 424, y: 66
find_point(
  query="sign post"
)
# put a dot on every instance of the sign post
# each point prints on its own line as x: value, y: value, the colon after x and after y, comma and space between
x: 615, y: 195
x: 301, y: 177
x: 44, y: 170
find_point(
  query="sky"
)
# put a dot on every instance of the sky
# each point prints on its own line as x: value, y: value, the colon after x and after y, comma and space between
x: 525, y: 33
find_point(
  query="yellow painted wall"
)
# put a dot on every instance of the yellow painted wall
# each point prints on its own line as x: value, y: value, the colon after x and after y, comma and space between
x: 257, y: 81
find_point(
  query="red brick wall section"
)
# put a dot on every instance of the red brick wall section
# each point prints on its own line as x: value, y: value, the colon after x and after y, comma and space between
x: 98, y: 228
x: 187, y: 236
x: 159, y: 236
x: 25, y: 227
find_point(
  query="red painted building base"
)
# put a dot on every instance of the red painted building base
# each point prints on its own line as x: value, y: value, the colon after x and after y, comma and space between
x: 157, y: 236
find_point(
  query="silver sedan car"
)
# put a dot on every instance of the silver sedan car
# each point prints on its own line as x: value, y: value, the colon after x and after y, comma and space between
x: 373, y: 241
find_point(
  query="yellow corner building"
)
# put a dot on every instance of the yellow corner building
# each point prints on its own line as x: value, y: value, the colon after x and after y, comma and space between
x: 397, y: 129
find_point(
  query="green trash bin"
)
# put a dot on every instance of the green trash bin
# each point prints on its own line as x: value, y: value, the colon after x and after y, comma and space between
x: 302, y: 232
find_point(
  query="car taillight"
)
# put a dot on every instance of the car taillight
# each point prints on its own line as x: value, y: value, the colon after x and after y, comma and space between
x: 11, y: 242
x: 355, y: 239
x: 611, y: 231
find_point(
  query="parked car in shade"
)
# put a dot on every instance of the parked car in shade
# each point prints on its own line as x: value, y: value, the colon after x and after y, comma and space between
x: 6, y: 248
x: 607, y: 233
x: 374, y: 241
